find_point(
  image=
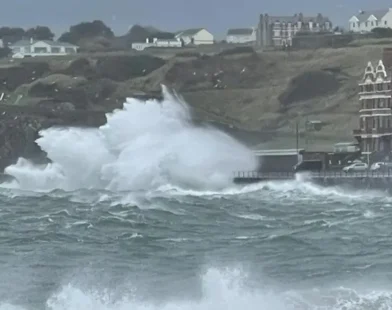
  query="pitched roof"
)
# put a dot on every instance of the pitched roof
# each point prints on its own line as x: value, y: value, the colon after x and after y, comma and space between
x: 51, y: 43
x: 240, y: 31
x: 364, y: 15
x: 298, y: 17
x: 188, y: 32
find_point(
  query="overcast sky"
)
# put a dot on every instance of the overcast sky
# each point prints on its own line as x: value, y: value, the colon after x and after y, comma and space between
x: 215, y: 15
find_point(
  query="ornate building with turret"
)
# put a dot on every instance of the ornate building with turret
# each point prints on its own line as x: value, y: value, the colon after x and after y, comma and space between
x: 375, y: 117
x: 279, y: 31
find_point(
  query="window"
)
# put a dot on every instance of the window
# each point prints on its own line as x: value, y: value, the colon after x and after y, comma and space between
x: 70, y: 50
x: 39, y: 50
x: 385, y: 23
x: 55, y: 50
x: 366, y: 24
x: 372, y: 24
x: 379, y: 86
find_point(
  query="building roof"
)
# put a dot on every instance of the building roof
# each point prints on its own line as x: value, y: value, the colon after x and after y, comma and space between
x: 240, y: 31
x: 363, y: 16
x: 188, y: 32
x: 299, y: 17
x: 279, y: 152
x: 51, y: 43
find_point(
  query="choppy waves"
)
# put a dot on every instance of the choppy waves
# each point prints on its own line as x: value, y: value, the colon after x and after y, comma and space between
x: 300, y: 247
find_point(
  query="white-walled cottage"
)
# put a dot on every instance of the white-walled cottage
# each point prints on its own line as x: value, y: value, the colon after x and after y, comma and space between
x: 365, y: 21
x: 140, y: 46
x: 241, y: 35
x: 195, y: 36
x: 32, y: 48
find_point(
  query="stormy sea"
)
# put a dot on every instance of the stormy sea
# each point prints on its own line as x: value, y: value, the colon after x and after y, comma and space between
x: 142, y: 214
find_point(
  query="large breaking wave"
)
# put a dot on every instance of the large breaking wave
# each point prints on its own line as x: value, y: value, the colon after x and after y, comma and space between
x: 145, y: 145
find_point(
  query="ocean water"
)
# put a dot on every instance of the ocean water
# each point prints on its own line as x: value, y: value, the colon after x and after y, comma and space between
x: 141, y: 214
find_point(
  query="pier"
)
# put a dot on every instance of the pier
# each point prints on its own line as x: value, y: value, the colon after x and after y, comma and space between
x: 366, y: 179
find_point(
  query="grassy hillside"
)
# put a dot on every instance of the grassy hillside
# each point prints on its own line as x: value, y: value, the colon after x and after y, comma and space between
x: 263, y: 92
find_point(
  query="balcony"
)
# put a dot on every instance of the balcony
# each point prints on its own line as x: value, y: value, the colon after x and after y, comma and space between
x: 372, y: 131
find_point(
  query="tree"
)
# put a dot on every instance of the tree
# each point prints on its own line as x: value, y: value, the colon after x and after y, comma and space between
x: 40, y: 33
x: 5, y: 52
x: 86, y: 30
x: 11, y: 35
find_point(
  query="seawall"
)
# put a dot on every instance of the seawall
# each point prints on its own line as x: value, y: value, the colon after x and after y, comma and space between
x: 365, y: 180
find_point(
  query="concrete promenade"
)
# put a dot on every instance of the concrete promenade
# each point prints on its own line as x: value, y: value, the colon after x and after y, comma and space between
x: 368, y: 179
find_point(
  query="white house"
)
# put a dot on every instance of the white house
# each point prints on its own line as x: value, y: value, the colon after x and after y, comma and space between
x: 365, y: 21
x: 241, y: 35
x: 32, y: 48
x: 157, y: 43
x: 195, y: 36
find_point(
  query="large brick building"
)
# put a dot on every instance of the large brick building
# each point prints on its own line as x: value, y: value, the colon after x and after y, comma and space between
x: 280, y: 30
x: 375, y: 117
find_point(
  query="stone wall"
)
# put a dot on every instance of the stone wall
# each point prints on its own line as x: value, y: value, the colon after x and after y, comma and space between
x: 322, y: 41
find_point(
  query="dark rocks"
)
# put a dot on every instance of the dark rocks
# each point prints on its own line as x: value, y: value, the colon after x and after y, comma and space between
x: 12, y: 76
x: 122, y: 68
x: 309, y: 85
x: 81, y: 67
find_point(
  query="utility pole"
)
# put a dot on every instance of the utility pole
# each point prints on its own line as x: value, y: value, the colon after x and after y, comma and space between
x: 297, y: 135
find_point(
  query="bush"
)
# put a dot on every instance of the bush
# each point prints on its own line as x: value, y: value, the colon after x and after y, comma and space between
x: 5, y: 52
x: 382, y: 32
x: 237, y: 50
x: 122, y: 68
x: 188, y: 54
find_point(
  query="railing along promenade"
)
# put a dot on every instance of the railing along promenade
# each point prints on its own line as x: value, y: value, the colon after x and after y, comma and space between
x: 314, y: 175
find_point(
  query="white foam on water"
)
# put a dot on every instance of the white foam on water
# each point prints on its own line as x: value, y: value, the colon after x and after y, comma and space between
x: 221, y: 290
x: 145, y: 145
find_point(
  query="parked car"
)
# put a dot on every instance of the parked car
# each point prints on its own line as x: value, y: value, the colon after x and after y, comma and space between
x: 356, y: 167
x: 381, y: 166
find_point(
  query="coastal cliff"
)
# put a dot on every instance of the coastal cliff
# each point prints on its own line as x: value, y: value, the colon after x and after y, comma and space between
x: 255, y: 96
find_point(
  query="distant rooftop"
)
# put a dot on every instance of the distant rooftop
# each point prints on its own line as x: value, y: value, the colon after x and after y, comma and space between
x: 364, y: 15
x: 278, y: 152
x: 300, y: 18
x: 188, y: 32
x: 52, y: 43
x: 240, y: 31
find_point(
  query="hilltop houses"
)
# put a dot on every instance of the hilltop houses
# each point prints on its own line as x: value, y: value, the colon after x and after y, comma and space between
x: 365, y: 21
x: 197, y: 36
x: 33, y: 48
x: 242, y: 35
x: 140, y: 46
x: 280, y: 30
